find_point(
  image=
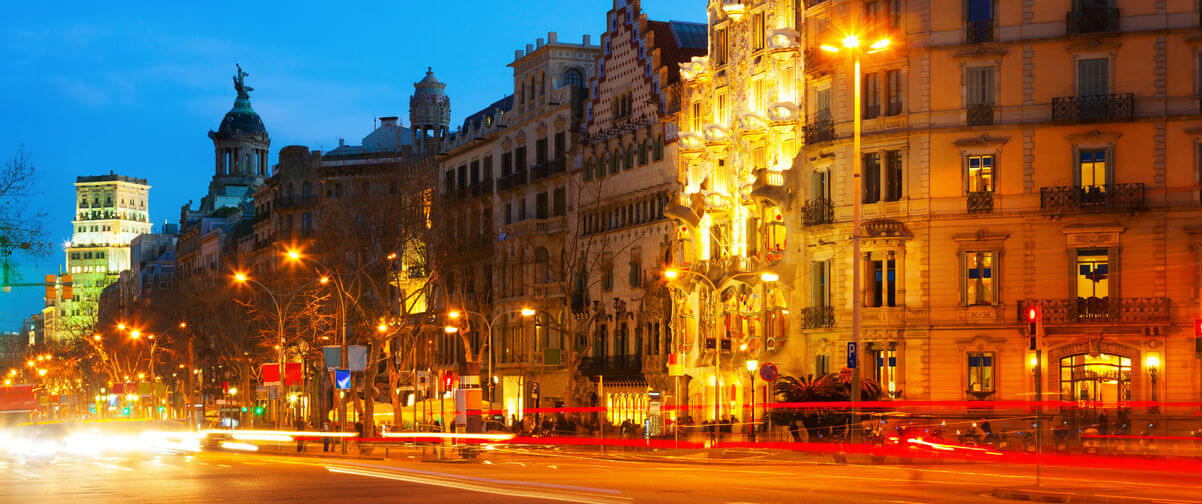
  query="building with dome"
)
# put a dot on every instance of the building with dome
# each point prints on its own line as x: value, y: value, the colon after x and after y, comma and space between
x: 429, y: 112
x: 240, y: 147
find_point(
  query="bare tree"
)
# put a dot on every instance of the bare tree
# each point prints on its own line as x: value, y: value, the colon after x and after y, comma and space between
x: 21, y: 229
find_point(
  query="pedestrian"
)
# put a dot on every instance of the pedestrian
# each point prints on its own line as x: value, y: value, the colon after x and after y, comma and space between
x: 325, y: 440
x: 300, y: 441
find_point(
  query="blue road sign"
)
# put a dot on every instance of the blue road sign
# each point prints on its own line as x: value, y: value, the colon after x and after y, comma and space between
x: 851, y: 355
x: 342, y: 379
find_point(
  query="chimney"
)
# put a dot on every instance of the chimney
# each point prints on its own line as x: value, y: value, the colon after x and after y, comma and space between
x: 539, y: 42
x: 529, y: 48
x: 552, y: 37
x: 517, y: 55
x: 587, y: 39
x: 388, y: 121
x: 342, y: 142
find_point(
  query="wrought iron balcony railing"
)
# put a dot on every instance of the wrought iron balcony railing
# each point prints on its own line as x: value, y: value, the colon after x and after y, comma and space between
x: 976, y: 32
x: 1092, y: 21
x: 511, y: 181
x: 980, y: 202
x: 1069, y: 199
x: 980, y: 114
x: 818, y: 61
x: 819, y: 130
x: 612, y: 364
x: 1098, y: 310
x: 1107, y: 107
x: 817, y: 212
x: 817, y: 317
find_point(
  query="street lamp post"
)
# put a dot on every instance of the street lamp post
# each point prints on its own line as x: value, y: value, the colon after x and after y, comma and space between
x: 851, y: 43
x: 752, y: 365
x: 672, y: 274
x: 488, y: 324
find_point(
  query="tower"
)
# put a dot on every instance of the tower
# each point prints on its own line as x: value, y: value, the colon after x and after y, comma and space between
x: 429, y: 112
x: 240, y: 147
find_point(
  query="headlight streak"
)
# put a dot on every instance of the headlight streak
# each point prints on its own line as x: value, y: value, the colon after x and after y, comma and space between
x: 479, y: 487
x: 230, y: 445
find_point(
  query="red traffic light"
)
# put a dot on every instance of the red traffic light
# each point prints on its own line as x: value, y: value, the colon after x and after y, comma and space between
x: 1198, y: 327
x: 1032, y: 314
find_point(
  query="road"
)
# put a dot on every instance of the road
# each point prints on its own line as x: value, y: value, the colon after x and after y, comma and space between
x: 507, y: 476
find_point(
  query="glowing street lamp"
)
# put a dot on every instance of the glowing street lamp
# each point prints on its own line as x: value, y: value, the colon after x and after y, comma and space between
x: 752, y: 365
x: 240, y: 277
x: 671, y: 274
x: 769, y: 276
x: 382, y: 327
x: 453, y: 315
x: 450, y: 329
x: 528, y: 312
x: 135, y: 334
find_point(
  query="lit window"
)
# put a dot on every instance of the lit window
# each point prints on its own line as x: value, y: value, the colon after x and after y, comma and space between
x: 980, y: 372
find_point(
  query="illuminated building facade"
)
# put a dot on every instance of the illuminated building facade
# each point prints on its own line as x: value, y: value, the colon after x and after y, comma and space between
x: 733, y: 259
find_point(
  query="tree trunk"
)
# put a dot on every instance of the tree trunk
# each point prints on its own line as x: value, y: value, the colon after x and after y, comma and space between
x: 369, y: 391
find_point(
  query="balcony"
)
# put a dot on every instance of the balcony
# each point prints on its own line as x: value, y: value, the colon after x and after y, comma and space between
x: 817, y: 317
x: 481, y: 188
x: 1107, y: 107
x: 818, y: 61
x: 285, y: 202
x: 1101, y: 198
x: 1105, y: 310
x: 819, y: 130
x: 549, y: 226
x: 980, y: 114
x: 511, y: 181
x: 1084, y: 21
x: 977, y: 32
x: 817, y: 212
x: 547, y: 169
x: 980, y: 202
x: 618, y: 365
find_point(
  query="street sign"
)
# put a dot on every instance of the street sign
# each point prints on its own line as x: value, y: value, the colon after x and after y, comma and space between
x: 768, y: 372
x: 342, y: 379
x: 851, y: 355
x: 293, y: 373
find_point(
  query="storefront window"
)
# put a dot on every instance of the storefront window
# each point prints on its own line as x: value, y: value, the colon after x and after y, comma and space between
x: 1094, y: 379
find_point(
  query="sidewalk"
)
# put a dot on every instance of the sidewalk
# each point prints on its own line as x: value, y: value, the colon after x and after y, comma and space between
x: 1089, y: 495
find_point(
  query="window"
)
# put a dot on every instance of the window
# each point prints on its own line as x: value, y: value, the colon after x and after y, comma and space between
x: 822, y: 365
x: 872, y: 13
x: 695, y: 117
x: 980, y: 173
x: 540, y: 151
x: 519, y: 159
x: 980, y: 373
x: 757, y: 34
x: 871, y: 170
x: 521, y: 203
x: 721, y: 112
x: 820, y: 289
x: 508, y: 214
x: 540, y: 206
x: 607, y: 275
x: 882, y: 289
x: 1093, y: 77
x: 1092, y: 169
x: 560, y: 203
x: 573, y: 77
x: 506, y: 164
x: 871, y: 95
x: 895, y: 13
x: 1093, y: 273
x: 979, y: 283
x: 893, y: 175
x: 893, y: 92
x: 759, y: 97
x: 561, y: 144
x: 636, y: 270
x: 720, y: 46
x: 885, y: 369
x: 822, y: 104
x: 978, y: 86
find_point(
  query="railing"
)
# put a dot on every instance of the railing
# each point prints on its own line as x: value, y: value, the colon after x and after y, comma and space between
x: 818, y: 61
x: 1092, y: 21
x: 980, y: 114
x: 817, y: 317
x: 976, y: 32
x: 1092, y: 198
x: 1106, y: 107
x: 612, y: 364
x: 811, y: 3
x: 295, y: 201
x: 980, y: 202
x: 819, y: 130
x: 511, y: 181
x: 1098, y: 310
x: 817, y: 212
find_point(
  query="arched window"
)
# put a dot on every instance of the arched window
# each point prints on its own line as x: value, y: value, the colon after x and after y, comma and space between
x: 289, y: 190
x: 530, y: 90
x: 573, y: 77
x: 306, y: 189
x: 542, y: 85
x: 521, y: 94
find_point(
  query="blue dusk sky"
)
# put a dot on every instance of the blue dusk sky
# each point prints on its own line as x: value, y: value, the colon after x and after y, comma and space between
x: 134, y: 87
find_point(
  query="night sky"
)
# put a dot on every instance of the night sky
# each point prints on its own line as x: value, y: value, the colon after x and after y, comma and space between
x: 134, y: 87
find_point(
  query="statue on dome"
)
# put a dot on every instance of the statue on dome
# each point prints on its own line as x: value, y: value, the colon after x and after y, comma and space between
x: 239, y: 85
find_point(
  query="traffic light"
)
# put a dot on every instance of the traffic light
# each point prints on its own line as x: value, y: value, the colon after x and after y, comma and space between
x: 447, y: 381
x: 259, y: 410
x: 1198, y: 336
x: 244, y: 409
x: 68, y: 287
x: 125, y: 411
x: 1033, y: 317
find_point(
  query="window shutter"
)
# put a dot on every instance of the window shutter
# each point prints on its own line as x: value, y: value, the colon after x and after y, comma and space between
x: 964, y: 279
x: 1115, y: 272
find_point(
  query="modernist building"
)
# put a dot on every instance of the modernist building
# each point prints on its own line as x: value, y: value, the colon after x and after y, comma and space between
x: 627, y: 176
x: 735, y: 263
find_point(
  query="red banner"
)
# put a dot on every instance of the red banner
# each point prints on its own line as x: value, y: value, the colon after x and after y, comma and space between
x: 293, y: 373
x: 18, y: 398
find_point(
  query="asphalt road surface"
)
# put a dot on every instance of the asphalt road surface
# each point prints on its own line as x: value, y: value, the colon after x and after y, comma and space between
x: 516, y: 476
